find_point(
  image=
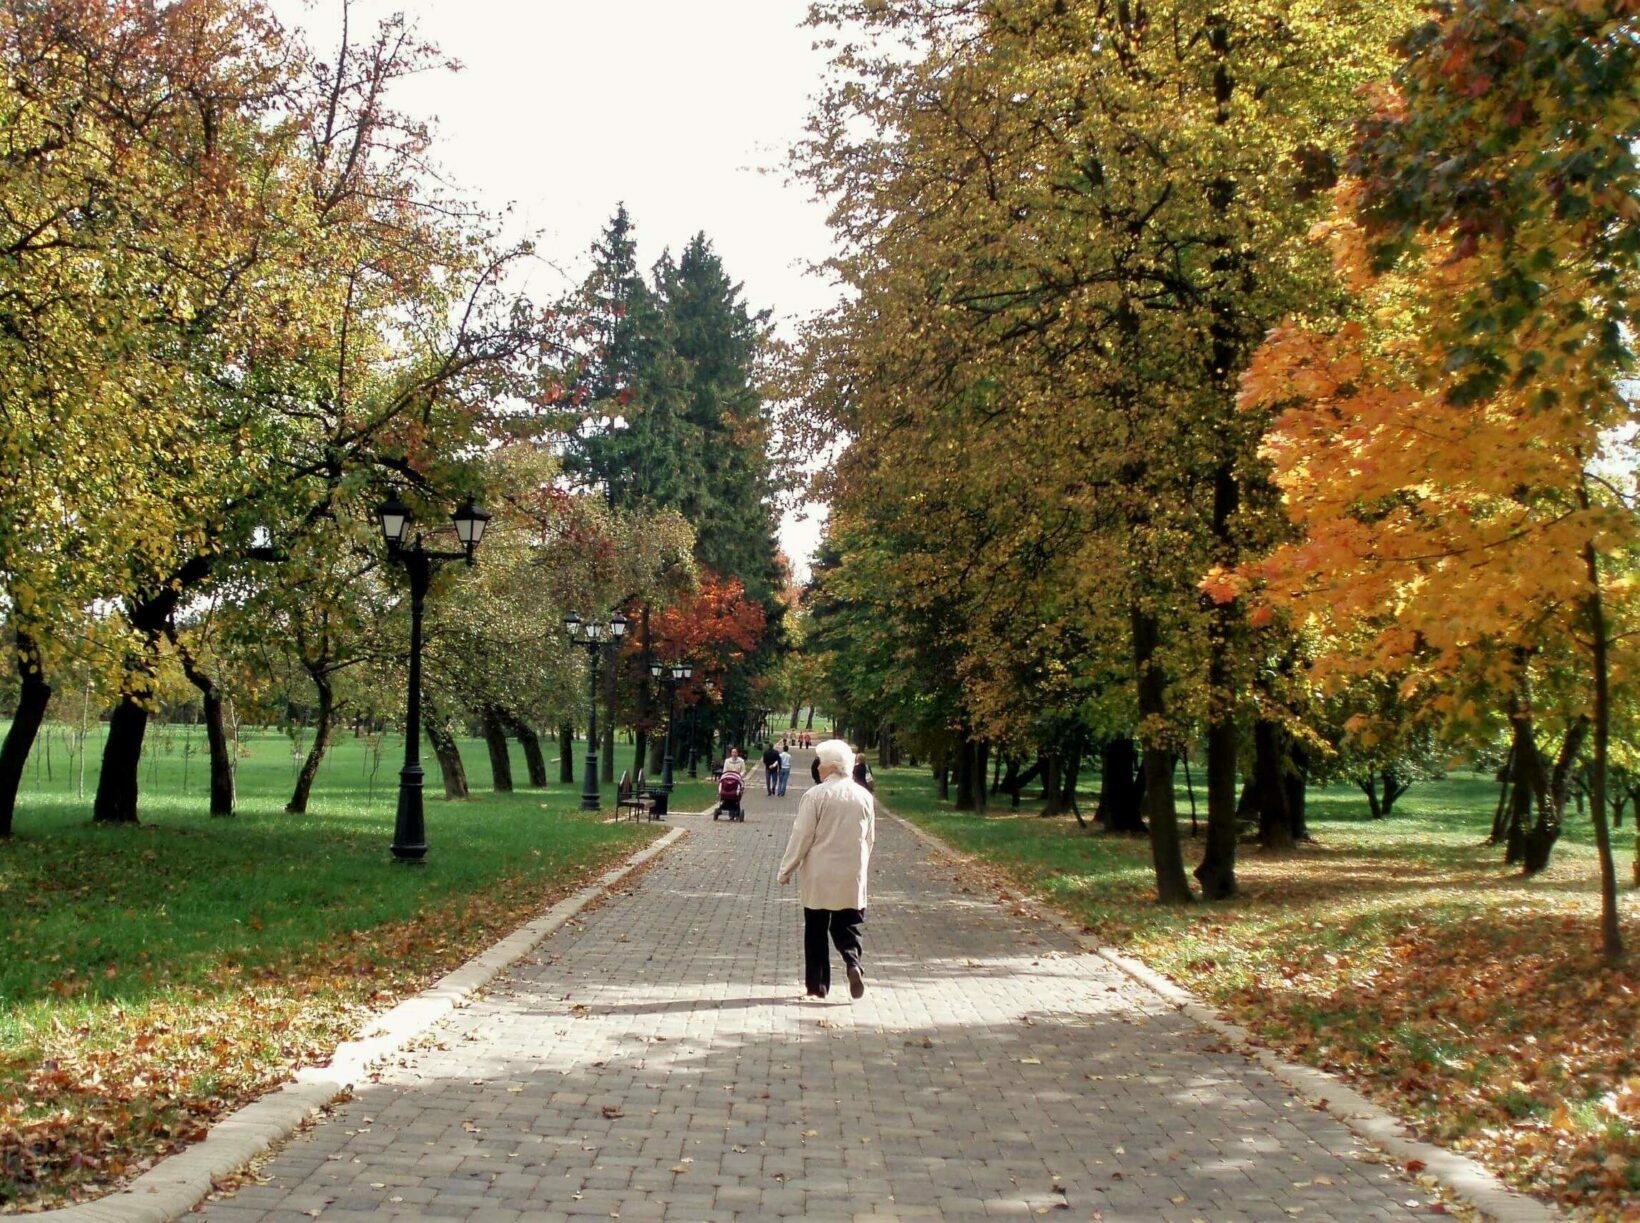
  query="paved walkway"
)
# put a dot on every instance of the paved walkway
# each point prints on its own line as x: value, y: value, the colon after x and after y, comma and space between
x: 653, y: 1062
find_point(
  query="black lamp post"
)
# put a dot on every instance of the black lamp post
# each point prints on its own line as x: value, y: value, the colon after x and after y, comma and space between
x: 420, y: 563
x: 670, y: 676
x: 594, y: 636
x: 706, y: 687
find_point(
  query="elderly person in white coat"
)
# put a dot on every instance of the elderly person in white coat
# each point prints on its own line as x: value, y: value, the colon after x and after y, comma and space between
x: 830, y: 847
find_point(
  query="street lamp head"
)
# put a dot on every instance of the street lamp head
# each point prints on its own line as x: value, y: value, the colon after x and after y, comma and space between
x: 395, y: 518
x: 680, y: 672
x: 617, y: 626
x: 594, y: 631
x: 572, y: 627
x: 656, y: 668
x: 470, y: 523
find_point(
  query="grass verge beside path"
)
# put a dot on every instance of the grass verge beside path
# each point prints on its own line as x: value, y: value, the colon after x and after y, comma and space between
x: 154, y: 978
x: 1400, y: 954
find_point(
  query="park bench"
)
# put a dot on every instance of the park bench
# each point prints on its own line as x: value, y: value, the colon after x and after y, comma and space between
x: 641, y: 801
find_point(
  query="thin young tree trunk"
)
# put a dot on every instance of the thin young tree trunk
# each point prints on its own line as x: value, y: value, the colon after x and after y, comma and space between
x: 1167, y: 854
x: 566, y: 753
x: 33, y: 697
x: 321, y: 742
x: 495, y: 738
x: 1369, y: 787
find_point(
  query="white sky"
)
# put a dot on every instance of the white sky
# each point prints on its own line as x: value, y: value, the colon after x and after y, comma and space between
x: 683, y: 109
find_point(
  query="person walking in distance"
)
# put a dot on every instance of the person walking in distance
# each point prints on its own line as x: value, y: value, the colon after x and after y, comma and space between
x: 785, y: 769
x: 830, y: 847
x: 771, y: 766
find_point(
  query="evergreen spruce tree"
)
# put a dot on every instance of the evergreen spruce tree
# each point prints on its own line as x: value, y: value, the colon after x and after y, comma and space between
x: 732, y: 504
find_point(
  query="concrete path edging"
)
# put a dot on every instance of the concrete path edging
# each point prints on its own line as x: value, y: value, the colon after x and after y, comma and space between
x: 181, y: 1181
x: 1458, y: 1174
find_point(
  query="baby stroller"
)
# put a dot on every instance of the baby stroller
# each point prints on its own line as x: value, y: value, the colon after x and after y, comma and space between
x: 730, y: 787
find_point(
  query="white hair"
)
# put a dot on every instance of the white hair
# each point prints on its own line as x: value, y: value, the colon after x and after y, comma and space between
x: 836, y: 754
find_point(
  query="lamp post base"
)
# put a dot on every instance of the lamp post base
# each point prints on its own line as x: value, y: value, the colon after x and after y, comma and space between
x: 409, y: 825
x: 590, y: 798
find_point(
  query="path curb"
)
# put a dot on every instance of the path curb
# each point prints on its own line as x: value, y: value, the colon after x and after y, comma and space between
x: 181, y: 1181
x: 1458, y: 1174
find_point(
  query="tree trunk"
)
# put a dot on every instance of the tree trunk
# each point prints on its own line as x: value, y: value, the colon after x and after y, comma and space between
x: 606, y: 770
x: 321, y: 740
x: 445, y: 750
x: 1394, y: 790
x: 808, y: 724
x: 495, y: 738
x: 216, y: 731
x: 1217, y: 871
x: 1021, y: 780
x: 1010, y: 781
x: 1611, y: 940
x: 1368, y: 785
x: 32, y: 699
x: 1070, y: 773
x: 566, y: 754
x: 1167, y: 854
x: 1540, y: 839
x: 982, y: 762
x: 534, y: 762
x: 943, y: 778
x: 1119, y: 795
x: 1500, y: 815
x: 1295, y: 778
x: 116, y: 801
x: 1275, y: 821
x: 967, y: 783
x: 1529, y: 781
x: 1051, y: 789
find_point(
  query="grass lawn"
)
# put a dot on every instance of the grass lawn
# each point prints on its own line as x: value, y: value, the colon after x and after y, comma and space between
x: 155, y: 977
x: 1400, y: 954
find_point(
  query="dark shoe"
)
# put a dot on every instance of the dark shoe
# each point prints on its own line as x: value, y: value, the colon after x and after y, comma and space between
x: 856, y: 982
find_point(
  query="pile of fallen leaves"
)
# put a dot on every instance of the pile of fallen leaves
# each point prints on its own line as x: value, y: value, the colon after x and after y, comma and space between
x: 1502, y: 1036
x: 96, y: 1101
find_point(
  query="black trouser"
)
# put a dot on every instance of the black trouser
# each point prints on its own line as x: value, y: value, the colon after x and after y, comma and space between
x: 771, y: 773
x: 844, y: 927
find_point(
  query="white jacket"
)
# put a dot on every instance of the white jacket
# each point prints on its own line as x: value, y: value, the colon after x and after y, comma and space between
x: 831, y: 844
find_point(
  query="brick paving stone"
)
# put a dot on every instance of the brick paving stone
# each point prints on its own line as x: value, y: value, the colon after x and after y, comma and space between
x: 652, y: 1060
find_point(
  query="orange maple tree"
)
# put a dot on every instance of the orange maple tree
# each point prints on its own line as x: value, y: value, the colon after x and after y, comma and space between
x: 1452, y: 445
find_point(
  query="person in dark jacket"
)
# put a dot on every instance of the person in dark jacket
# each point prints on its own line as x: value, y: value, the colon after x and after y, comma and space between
x: 771, y: 766
x: 862, y: 771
